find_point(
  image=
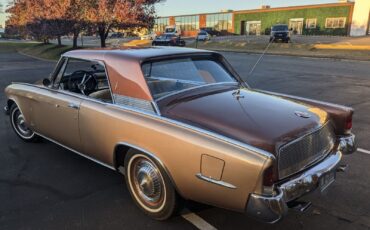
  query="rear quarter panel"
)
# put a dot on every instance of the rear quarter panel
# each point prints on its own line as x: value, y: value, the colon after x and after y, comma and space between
x: 102, y: 126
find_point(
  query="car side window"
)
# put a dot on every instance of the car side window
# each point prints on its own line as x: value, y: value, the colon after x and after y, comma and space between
x: 86, y: 77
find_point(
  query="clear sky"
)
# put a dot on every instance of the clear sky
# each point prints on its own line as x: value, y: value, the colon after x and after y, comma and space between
x: 175, y: 7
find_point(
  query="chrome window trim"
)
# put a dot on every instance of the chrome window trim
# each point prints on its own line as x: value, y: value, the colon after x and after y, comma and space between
x: 178, y: 123
x: 63, y: 68
x: 56, y: 70
x: 225, y: 64
x: 60, y: 72
x: 77, y: 152
x: 196, y: 87
x: 109, y: 85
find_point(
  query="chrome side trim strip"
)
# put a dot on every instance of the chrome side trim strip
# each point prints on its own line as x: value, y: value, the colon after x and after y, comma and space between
x: 217, y: 182
x: 158, y: 117
x: 78, y: 153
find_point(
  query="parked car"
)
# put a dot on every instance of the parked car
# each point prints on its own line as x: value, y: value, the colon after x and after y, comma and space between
x: 203, y: 36
x: 172, y: 30
x: 116, y: 35
x: 149, y: 36
x: 168, y: 40
x: 280, y: 33
x: 211, y: 31
x: 182, y: 124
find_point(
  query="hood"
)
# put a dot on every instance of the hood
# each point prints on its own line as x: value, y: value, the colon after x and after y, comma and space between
x: 259, y: 119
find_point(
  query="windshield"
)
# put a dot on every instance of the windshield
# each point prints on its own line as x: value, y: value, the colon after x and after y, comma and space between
x: 167, y: 77
x: 170, y: 30
x: 280, y: 28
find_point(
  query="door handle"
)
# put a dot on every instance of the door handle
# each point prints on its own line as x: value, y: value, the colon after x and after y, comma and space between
x: 73, y: 106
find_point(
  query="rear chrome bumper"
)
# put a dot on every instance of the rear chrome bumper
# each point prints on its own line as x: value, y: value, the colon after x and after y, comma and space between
x: 271, y: 209
x: 347, y: 144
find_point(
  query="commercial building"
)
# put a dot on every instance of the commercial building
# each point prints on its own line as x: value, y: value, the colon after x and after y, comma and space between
x: 342, y: 18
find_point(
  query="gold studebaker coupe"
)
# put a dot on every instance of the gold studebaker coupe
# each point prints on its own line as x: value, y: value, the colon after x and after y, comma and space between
x: 181, y: 124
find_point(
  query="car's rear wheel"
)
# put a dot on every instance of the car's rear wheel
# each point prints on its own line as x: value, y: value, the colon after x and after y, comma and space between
x: 150, y: 186
x: 19, y: 125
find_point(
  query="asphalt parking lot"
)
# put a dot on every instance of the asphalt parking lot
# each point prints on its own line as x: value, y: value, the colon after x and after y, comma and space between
x: 43, y: 186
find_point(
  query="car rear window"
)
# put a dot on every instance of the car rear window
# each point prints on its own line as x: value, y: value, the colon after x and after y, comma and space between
x: 170, y: 76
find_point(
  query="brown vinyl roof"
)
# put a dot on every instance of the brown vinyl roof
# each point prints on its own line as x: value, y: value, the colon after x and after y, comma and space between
x: 124, y: 66
x: 132, y: 53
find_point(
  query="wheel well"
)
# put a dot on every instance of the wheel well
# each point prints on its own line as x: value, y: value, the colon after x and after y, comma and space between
x: 120, y: 152
x: 10, y: 103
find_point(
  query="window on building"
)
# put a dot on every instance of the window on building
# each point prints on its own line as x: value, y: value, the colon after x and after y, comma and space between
x: 188, y: 23
x: 311, y: 23
x: 160, y: 24
x: 220, y: 22
x: 332, y: 23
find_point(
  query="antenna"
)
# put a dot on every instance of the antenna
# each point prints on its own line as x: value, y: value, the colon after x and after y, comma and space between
x: 259, y: 59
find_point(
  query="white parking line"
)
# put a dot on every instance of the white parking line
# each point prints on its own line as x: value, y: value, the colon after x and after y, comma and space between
x: 363, y: 151
x: 197, y: 221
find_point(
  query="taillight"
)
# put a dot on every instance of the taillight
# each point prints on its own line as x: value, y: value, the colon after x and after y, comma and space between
x: 348, y: 124
x: 268, y: 177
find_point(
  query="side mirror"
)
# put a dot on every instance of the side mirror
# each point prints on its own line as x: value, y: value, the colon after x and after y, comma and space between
x: 46, y: 82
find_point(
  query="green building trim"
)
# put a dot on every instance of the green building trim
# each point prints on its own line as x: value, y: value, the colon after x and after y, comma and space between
x: 274, y: 16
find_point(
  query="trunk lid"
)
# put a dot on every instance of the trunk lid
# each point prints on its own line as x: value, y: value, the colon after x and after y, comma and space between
x: 259, y: 119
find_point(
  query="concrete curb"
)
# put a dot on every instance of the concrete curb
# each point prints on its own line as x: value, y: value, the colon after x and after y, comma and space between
x: 37, y: 58
x: 341, y: 47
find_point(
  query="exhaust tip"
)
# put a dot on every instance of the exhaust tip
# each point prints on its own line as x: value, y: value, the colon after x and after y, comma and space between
x: 299, y: 206
x: 342, y: 168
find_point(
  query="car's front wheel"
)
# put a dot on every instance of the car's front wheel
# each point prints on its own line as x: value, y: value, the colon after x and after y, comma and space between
x: 149, y: 186
x: 19, y: 125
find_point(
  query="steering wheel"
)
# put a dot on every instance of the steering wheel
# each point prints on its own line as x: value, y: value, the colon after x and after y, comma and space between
x: 87, y: 84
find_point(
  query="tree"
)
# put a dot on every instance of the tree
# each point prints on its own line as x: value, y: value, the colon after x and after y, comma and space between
x: 18, y: 18
x: 52, y: 15
x: 75, y: 14
x: 42, y: 19
x: 104, y: 15
x: 45, y: 19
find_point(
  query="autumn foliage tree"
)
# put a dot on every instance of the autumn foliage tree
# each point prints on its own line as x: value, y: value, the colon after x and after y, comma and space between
x: 45, y: 19
x: 104, y: 15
